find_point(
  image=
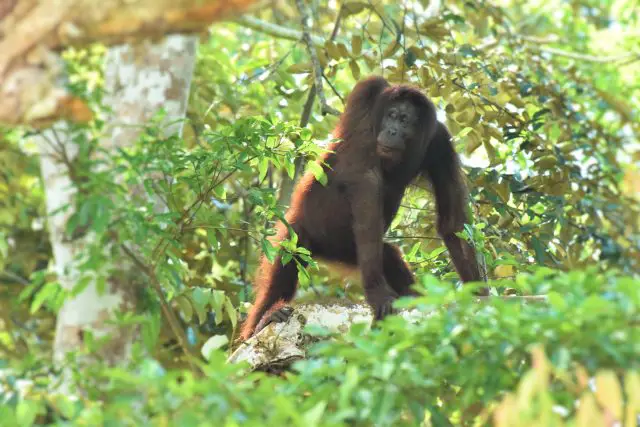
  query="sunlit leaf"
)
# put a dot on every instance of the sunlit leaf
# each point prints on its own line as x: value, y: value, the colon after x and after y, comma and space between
x: 300, y: 68
x: 354, y: 7
x: 608, y: 392
x: 213, y: 343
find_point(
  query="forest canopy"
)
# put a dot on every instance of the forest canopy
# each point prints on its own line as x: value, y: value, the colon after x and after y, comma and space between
x: 135, y: 212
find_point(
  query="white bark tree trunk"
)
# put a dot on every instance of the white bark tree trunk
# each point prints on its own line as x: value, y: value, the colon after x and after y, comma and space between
x: 139, y: 80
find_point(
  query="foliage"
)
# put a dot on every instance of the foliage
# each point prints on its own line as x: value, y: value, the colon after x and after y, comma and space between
x: 464, y: 360
x: 542, y: 98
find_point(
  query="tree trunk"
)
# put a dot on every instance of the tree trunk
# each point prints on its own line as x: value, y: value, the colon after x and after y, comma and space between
x: 138, y: 81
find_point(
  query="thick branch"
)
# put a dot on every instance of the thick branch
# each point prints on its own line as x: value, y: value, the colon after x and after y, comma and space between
x: 33, y: 30
x: 279, y: 344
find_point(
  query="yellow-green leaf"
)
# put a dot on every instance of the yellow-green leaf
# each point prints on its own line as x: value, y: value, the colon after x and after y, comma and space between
x: 185, y: 306
x: 547, y: 162
x: 300, y: 68
x: 354, y: 7
x: 588, y: 413
x: 491, y: 152
x: 356, y: 44
x: 391, y: 49
x: 632, y: 390
x: 355, y: 69
x: 343, y: 50
x: 504, y: 271
x: 231, y: 312
x: 332, y: 50
x: 502, y: 190
x: 608, y: 392
x: 213, y: 343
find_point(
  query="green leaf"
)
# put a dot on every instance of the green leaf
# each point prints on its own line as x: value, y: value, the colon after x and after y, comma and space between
x: 212, y: 238
x: 65, y: 406
x: 437, y: 251
x: 306, y: 134
x: 48, y: 292
x: 200, y: 298
x: 318, y: 172
x: 217, y: 301
x: 268, y: 250
x: 231, y: 312
x: 263, y: 167
x: 291, y: 169
x: 464, y: 132
x: 414, y: 250
x: 355, y: 69
x: 26, y: 413
x: 354, y: 7
x: 151, y: 330
x: 539, y: 250
x: 286, y: 257
x: 220, y: 192
x: 557, y: 301
x: 185, y: 306
x: 356, y: 44
x: 313, y: 416
x: 101, y: 285
x: 4, y: 246
x: 214, y: 343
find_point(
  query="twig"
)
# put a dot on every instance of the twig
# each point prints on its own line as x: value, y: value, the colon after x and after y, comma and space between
x: 168, y: 311
x: 276, y: 30
x: 336, y: 25
x: 333, y: 88
x: 12, y: 276
x: 415, y: 238
x: 317, y: 68
x: 286, y: 185
x: 485, y: 99
x: 586, y: 57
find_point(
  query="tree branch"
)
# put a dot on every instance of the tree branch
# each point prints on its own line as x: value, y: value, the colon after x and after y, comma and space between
x: 276, y: 346
x: 586, y: 57
x: 317, y: 67
x: 171, y: 317
x: 276, y: 30
x: 31, y: 33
